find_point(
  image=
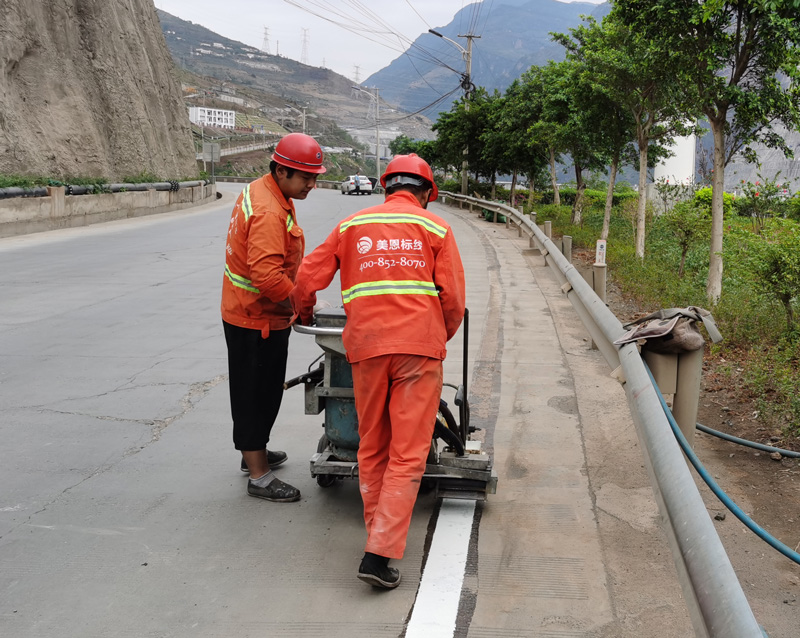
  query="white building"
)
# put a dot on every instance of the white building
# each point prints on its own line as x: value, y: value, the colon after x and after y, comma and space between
x: 678, y: 169
x: 212, y: 117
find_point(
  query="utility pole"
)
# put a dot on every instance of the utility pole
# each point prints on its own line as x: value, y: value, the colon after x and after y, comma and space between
x: 377, y: 140
x: 358, y: 81
x: 466, y: 84
x: 377, y: 129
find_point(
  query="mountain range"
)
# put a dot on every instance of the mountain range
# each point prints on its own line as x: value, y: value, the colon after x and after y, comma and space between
x: 514, y: 36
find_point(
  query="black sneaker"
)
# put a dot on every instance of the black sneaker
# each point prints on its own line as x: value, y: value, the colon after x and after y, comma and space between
x: 277, y: 491
x: 274, y: 459
x: 374, y: 570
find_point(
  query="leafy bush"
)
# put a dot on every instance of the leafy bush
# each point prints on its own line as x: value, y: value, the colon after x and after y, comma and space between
x: 702, y: 199
x: 689, y: 224
x: 145, y: 177
x: 772, y: 260
x: 595, y: 197
x: 765, y: 199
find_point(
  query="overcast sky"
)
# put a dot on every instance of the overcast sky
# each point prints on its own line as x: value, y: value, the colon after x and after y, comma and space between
x: 338, y: 35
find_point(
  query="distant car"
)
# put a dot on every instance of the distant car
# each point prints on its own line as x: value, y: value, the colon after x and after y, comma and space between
x: 357, y: 184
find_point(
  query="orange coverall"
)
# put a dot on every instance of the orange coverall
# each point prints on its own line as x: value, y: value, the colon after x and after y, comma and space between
x: 403, y: 291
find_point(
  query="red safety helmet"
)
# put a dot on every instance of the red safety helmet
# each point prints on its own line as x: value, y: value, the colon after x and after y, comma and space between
x: 411, y: 164
x: 301, y: 152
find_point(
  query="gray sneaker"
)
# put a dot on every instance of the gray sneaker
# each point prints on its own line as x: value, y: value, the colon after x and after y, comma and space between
x: 274, y: 459
x: 277, y: 491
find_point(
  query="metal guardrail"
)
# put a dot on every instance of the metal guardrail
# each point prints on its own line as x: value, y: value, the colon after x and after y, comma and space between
x: 717, y: 605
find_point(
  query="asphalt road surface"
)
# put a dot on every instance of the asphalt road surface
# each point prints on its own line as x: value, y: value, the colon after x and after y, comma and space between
x: 123, y: 511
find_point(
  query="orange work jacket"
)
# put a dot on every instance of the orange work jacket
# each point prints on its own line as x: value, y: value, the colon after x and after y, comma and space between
x: 402, y: 280
x: 264, y: 249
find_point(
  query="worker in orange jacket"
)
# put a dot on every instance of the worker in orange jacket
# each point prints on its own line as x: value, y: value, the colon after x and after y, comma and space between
x: 262, y: 255
x: 403, y: 292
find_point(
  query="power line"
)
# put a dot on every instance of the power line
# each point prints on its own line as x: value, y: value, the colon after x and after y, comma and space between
x: 369, y: 31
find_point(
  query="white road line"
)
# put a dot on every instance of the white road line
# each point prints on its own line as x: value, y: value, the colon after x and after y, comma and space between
x: 436, y: 607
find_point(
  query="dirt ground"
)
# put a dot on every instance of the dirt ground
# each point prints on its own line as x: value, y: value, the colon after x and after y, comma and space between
x: 765, y: 486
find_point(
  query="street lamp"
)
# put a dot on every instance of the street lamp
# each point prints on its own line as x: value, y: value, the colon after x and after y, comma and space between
x: 466, y: 84
x: 377, y: 130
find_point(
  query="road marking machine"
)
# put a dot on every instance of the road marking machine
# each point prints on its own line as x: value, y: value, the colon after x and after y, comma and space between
x: 456, y: 467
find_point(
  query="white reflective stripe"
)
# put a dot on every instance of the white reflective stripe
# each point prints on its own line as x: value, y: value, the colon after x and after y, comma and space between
x: 395, y: 218
x: 402, y: 287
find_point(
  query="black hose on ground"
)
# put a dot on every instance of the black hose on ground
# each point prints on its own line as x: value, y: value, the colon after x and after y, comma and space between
x: 752, y: 444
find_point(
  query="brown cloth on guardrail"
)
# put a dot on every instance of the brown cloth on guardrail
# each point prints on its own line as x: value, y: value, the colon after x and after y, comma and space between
x: 671, y: 330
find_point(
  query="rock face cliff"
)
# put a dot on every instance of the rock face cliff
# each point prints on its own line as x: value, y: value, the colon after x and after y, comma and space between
x: 87, y: 89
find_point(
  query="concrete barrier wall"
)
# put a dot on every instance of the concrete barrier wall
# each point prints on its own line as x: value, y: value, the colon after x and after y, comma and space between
x: 321, y: 183
x: 23, y: 215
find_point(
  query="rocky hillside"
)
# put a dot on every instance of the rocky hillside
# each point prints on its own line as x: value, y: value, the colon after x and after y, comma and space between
x: 87, y: 89
x: 326, y: 93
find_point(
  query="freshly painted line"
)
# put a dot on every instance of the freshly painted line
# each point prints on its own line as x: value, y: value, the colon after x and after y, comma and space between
x: 436, y: 607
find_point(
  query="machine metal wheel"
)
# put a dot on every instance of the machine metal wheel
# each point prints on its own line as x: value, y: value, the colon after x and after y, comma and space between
x: 324, y: 480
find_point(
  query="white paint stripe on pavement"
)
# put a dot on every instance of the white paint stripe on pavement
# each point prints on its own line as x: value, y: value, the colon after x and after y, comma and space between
x: 436, y: 607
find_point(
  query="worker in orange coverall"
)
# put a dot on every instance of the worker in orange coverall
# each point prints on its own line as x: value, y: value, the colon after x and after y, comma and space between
x: 403, y: 292
x: 263, y: 252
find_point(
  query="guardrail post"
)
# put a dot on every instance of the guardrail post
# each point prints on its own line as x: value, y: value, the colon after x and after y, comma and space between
x: 599, y: 286
x: 519, y: 226
x: 679, y: 375
x: 548, y: 229
x: 599, y: 280
x: 566, y: 247
x: 687, y: 392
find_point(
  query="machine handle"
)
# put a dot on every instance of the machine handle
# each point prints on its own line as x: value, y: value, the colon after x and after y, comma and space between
x: 317, y: 330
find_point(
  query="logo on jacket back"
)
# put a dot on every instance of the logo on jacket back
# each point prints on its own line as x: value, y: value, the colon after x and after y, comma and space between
x: 364, y: 244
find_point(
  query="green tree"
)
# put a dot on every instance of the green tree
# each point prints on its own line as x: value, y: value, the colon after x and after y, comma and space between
x: 738, y: 63
x: 568, y: 121
x: 614, y: 119
x: 403, y: 145
x: 644, y: 84
x: 507, y: 143
x: 532, y: 101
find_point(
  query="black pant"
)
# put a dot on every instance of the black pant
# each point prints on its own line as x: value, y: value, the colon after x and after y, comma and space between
x: 256, y: 372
